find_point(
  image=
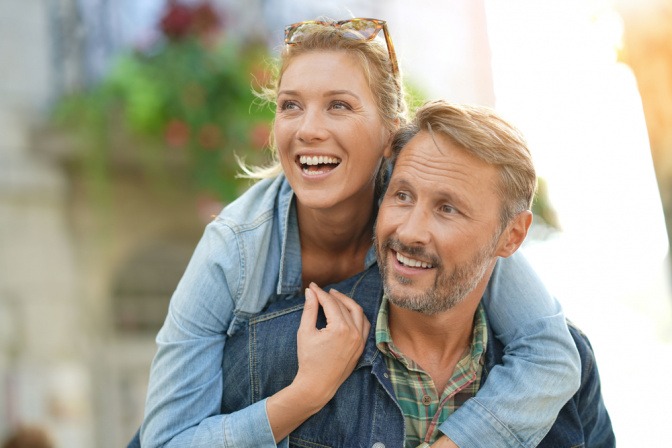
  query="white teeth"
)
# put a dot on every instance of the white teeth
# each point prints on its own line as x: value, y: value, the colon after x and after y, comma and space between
x: 315, y: 160
x: 313, y: 172
x: 412, y: 263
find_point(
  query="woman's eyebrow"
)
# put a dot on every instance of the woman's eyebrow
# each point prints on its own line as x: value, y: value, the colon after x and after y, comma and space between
x: 341, y: 92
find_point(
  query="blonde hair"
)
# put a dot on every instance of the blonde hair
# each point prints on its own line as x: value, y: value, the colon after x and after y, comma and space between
x: 487, y: 136
x: 387, y: 88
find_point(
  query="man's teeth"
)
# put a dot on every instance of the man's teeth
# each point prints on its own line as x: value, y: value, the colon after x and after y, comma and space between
x: 318, y: 160
x: 412, y: 263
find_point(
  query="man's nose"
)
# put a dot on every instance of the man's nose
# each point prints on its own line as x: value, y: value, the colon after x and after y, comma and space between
x: 413, y: 226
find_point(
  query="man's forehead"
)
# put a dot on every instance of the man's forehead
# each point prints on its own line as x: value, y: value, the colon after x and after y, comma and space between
x: 437, y: 150
x: 435, y: 158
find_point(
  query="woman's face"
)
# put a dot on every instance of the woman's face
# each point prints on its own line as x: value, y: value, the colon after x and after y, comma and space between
x: 329, y: 134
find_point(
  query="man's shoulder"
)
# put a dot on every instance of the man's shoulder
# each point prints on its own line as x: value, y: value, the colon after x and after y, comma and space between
x: 585, y: 349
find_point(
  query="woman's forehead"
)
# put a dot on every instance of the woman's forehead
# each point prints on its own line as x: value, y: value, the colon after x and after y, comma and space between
x: 338, y: 69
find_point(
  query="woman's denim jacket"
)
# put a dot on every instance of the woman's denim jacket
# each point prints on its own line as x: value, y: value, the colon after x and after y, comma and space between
x: 250, y: 255
x: 364, y: 412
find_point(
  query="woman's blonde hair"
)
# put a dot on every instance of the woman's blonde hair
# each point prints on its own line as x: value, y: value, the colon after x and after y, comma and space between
x: 387, y: 89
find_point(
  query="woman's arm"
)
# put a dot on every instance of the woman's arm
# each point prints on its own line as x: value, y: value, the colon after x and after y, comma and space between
x: 521, y: 398
x: 185, y: 385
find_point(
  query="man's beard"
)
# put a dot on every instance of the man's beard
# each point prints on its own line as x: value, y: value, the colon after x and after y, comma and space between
x: 448, y: 289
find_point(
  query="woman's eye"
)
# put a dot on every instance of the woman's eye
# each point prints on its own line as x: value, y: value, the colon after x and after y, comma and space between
x: 340, y: 105
x: 288, y: 105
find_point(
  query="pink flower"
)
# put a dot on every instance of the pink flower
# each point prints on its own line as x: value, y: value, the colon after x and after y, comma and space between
x: 177, y: 133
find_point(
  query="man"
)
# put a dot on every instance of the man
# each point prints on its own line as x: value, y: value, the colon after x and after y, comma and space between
x: 458, y: 199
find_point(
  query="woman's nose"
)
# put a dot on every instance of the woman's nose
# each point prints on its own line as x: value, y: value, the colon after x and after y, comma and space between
x: 312, y: 127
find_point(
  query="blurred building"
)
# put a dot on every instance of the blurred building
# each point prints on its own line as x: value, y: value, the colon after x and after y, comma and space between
x: 84, y: 289
x: 66, y: 280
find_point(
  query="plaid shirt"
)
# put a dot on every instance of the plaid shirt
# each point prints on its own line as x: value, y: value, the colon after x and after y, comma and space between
x: 424, y: 409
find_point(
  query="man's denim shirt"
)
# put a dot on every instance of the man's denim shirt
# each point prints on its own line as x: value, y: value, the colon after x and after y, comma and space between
x: 364, y: 412
x: 250, y: 255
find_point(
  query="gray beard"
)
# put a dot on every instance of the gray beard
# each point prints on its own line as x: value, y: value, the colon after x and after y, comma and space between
x: 447, y: 291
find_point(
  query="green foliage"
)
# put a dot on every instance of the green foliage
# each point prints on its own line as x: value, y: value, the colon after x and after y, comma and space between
x: 189, y: 104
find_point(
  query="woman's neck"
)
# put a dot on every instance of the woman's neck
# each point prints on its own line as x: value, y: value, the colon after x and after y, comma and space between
x: 334, y: 242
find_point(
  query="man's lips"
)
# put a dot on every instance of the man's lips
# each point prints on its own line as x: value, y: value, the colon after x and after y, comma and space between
x: 412, y: 262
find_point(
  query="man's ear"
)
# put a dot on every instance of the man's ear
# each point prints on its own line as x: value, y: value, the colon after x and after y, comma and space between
x: 514, y: 234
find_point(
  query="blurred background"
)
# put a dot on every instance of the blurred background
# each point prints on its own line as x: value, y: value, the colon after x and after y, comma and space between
x: 119, y: 126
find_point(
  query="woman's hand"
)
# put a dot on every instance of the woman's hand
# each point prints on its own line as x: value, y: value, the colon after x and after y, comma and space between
x: 326, y: 358
x: 329, y: 355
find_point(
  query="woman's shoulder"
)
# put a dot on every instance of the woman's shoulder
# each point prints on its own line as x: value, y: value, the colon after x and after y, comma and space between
x: 256, y: 206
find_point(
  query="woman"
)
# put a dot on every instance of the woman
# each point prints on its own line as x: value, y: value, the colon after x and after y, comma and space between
x: 339, y: 101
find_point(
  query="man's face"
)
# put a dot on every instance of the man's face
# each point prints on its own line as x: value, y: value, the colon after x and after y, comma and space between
x: 438, y: 228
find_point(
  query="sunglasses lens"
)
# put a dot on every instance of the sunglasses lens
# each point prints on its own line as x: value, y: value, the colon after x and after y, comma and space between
x: 351, y: 29
x: 294, y: 33
x: 360, y: 29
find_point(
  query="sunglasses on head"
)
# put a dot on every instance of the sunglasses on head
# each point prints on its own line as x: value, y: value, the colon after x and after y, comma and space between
x: 361, y: 29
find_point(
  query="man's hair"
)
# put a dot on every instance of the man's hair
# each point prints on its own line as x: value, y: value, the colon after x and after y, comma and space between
x: 386, y: 88
x: 485, y: 135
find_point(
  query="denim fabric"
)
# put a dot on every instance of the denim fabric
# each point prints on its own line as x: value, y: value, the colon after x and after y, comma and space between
x: 364, y: 413
x: 250, y: 255
x: 540, y: 369
x: 232, y: 275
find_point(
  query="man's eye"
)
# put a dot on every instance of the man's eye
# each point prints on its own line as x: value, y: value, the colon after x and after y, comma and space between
x: 403, y: 197
x: 448, y: 209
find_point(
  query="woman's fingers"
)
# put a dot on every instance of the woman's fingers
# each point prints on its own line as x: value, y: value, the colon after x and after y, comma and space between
x: 356, y: 312
x: 334, y: 311
x: 327, y: 357
x: 309, y: 315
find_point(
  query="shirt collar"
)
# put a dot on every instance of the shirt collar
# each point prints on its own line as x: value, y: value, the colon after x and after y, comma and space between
x: 479, y: 338
x: 289, y: 278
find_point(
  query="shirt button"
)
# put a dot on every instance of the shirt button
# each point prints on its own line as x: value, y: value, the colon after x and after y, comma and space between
x: 378, y: 445
x: 426, y: 400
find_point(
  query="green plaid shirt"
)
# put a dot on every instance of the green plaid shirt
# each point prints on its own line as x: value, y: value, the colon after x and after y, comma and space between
x: 423, y: 407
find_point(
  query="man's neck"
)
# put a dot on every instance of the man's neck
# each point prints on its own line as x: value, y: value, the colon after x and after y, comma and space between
x: 436, y: 343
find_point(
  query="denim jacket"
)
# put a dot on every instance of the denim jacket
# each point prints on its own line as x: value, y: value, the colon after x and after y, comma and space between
x: 364, y: 412
x: 250, y: 255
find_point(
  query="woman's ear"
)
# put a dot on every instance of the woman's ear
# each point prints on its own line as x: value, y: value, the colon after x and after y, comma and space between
x: 388, y: 150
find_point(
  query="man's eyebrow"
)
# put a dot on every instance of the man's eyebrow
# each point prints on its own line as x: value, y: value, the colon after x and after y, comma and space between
x: 401, y: 182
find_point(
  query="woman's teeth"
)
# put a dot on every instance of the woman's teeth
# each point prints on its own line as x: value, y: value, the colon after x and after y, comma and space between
x: 318, y: 160
x: 412, y: 263
x: 318, y: 164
